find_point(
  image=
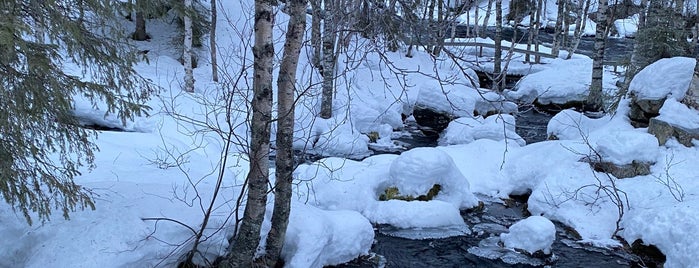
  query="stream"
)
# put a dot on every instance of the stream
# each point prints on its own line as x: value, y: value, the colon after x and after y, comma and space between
x: 405, y: 248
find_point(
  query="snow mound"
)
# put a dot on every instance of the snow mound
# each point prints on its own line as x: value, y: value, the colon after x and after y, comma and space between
x: 404, y: 214
x: 531, y: 234
x: 466, y: 129
x: 564, y: 81
x: 679, y: 114
x: 316, y: 238
x: 572, y: 125
x: 672, y: 229
x: 665, y: 77
x: 416, y: 171
x: 455, y: 100
x: 623, y: 147
x: 339, y: 139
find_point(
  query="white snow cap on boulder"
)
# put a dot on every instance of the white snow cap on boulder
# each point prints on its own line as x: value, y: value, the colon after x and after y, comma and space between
x: 531, y: 235
x: 416, y: 171
x: 662, y: 78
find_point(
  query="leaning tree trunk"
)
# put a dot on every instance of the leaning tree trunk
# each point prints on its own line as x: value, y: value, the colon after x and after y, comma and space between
x: 187, y: 53
x: 212, y: 42
x: 247, y: 239
x: 594, y: 100
x: 530, y: 37
x: 497, y: 67
x: 285, y: 131
x: 580, y: 25
x: 440, y: 28
x: 328, y: 71
x: 484, y: 30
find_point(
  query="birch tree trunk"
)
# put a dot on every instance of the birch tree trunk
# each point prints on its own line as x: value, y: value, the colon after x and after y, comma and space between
x: 530, y: 38
x: 484, y: 30
x: 245, y: 243
x: 187, y: 54
x: 558, y: 28
x: 497, y: 68
x: 580, y: 25
x: 594, y: 100
x: 285, y: 131
x: 316, y: 42
x: 212, y: 42
x: 540, y: 5
x: 328, y: 71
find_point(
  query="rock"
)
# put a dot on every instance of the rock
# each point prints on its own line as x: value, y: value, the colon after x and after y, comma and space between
x: 642, y: 110
x: 623, y: 171
x: 663, y: 131
x: 431, y: 122
x: 650, y: 254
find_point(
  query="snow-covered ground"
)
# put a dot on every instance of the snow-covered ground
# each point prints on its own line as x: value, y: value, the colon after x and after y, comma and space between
x: 153, y: 183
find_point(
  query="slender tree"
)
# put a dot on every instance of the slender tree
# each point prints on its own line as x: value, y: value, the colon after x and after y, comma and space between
x: 558, y: 28
x: 595, y: 98
x: 212, y: 42
x: 328, y: 60
x: 484, y: 30
x: 43, y: 145
x: 497, y: 66
x: 140, y: 31
x: 245, y: 242
x: 285, y: 130
x: 187, y: 53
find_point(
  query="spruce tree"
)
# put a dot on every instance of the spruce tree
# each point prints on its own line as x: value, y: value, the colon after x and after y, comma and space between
x: 42, y: 144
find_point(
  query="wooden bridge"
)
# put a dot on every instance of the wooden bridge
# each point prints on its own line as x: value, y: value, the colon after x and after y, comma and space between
x: 481, y: 45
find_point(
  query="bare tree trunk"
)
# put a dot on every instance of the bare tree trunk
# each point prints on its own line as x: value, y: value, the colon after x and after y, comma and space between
x: 558, y: 28
x: 212, y: 42
x: 540, y: 5
x: 594, y: 100
x: 485, y: 20
x: 497, y: 68
x: 285, y: 130
x: 440, y: 28
x: 316, y: 42
x: 580, y: 25
x: 328, y: 71
x: 247, y: 238
x: 475, y: 24
x: 139, y: 33
x: 187, y: 54
x: 530, y: 38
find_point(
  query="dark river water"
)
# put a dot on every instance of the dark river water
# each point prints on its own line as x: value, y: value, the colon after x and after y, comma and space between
x: 397, y: 248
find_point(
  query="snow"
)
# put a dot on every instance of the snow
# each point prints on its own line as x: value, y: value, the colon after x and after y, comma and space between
x: 663, y: 78
x: 163, y: 167
x: 627, y: 27
x: 561, y: 82
x: 531, y: 235
x: 624, y: 147
x: 466, y: 129
x: 679, y: 114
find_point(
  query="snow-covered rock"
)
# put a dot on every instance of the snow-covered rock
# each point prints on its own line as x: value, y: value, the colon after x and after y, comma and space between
x: 466, y: 129
x: 531, y: 235
x: 625, y: 147
x: 416, y: 171
x: 663, y: 78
